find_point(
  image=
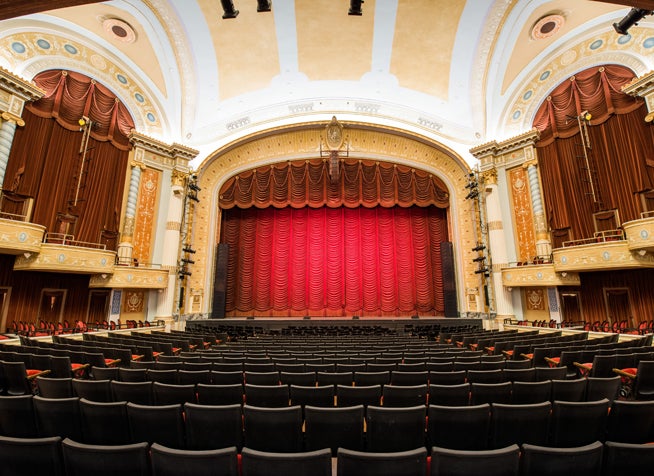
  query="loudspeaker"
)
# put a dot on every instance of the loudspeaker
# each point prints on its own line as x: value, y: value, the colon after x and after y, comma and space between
x: 449, y: 280
x: 220, y: 282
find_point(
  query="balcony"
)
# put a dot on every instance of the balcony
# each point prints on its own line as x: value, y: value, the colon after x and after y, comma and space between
x: 640, y: 233
x: 63, y: 254
x: 604, y: 251
x: 540, y: 272
x: 141, y: 277
x: 19, y: 237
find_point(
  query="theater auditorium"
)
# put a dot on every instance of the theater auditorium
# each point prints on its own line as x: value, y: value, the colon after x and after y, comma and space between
x: 326, y: 237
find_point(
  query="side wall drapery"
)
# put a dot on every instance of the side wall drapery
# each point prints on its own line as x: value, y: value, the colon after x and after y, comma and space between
x: 334, y: 261
x: 308, y: 183
x: 620, y: 168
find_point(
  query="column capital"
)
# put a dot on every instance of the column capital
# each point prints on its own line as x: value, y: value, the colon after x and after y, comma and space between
x: 489, y: 176
x: 140, y: 165
x: 530, y: 162
x: 8, y: 116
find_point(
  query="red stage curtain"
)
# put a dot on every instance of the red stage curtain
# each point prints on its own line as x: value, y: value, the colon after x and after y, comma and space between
x: 308, y: 183
x: 334, y: 261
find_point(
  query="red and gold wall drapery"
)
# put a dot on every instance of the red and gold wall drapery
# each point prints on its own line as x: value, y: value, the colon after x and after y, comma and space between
x: 304, y: 244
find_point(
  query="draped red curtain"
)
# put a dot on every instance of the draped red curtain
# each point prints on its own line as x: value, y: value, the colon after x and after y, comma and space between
x: 334, y: 261
x: 621, y: 169
x: 358, y: 183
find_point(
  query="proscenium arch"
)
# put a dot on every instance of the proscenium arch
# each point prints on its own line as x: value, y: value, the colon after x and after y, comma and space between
x: 301, y: 142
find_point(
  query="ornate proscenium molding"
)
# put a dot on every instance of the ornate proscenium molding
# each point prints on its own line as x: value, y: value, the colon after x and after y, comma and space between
x: 496, y: 149
x: 22, y: 88
x: 640, y: 86
x: 335, y: 139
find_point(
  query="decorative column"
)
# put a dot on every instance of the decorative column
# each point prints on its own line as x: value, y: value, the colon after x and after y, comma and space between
x: 165, y: 299
x: 7, y: 131
x: 496, y: 244
x: 543, y: 244
x: 125, y: 247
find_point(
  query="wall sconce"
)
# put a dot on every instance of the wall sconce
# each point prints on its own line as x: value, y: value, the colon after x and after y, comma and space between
x: 564, y: 274
x: 27, y: 255
x: 642, y: 252
x: 103, y: 276
x: 509, y: 289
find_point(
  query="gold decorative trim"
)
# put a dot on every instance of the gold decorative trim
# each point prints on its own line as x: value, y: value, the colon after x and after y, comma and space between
x: 8, y: 116
x: 496, y: 225
x: 173, y: 225
x: 489, y: 177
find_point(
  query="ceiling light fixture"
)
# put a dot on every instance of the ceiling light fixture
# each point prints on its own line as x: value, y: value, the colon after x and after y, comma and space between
x: 632, y: 18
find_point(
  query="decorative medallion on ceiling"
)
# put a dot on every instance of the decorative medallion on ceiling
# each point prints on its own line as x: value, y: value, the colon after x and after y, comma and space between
x: 119, y: 30
x: 547, y: 26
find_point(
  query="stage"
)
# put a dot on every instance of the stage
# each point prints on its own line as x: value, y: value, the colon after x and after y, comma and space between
x: 267, y: 324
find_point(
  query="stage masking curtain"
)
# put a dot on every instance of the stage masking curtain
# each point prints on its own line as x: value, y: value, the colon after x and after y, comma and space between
x: 334, y: 261
x: 622, y: 168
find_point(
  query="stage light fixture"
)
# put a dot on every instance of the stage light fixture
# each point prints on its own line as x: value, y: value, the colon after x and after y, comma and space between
x: 193, y: 197
x: 355, y: 7
x: 481, y: 270
x: 188, y: 249
x: 228, y: 9
x: 187, y: 261
x: 472, y: 194
x: 263, y: 5
x: 471, y: 185
x: 632, y: 18
x: 194, y: 187
x: 479, y: 259
x: 479, y: 247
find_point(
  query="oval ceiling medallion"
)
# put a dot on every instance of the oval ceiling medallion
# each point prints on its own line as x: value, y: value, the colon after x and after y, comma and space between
x: 547, y: 26
x: 119, y: 30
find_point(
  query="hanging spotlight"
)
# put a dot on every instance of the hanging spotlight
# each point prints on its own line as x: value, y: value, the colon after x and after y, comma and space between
x: 481, y: 271
x: 479, y: 247
x: 188, y: 249
x: 479, y: 259
x: 355, y: 7
x: 632, y: 18
x: 263, y: 5
x: 473, y: 194
x: 228, y: 9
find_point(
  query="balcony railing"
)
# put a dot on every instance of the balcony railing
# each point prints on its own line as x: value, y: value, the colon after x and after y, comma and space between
x: 69, y: 240
x: 598, y: 237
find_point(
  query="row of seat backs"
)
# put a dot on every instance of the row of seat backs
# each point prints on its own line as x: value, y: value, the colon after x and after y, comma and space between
x: 194, y: 426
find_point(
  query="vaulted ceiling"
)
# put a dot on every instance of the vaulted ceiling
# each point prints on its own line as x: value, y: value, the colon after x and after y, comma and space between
x: 460, y: 72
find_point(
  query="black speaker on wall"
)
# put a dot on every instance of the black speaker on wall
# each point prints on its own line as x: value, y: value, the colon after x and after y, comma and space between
x: 220, y: 282
x: 449, y: 280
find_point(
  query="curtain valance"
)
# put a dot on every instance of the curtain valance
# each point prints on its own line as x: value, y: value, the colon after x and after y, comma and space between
x: 597, y: 90
x: 70, y: 95
x: 308, y: 183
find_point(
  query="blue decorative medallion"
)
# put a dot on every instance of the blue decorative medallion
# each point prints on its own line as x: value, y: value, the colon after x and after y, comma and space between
x: 527, y: 95
x: 129, y: 278
x: 622, y: 39
x: 103, y: 261
x: 139, y: 97
x: 151, y: 117
x: 606, y: 256
x: 544, y: 75
x: 43, y: 44
x: 61, y: 258
x: 539, y: 275
x: 596, y: 44
x: 121, y: 78
x: 516, y: 115
x: 564, y: 259
x: 649, y: 42
x: 18, y: 47
x: 22, y: 237
x: 70, y: 48
x: 644, y: 234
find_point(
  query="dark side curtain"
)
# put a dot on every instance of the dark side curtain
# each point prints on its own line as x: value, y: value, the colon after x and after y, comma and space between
x: 334, y: 261
x: 620, y: 157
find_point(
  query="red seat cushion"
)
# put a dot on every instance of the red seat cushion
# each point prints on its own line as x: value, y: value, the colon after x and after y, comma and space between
x: 31, y: 372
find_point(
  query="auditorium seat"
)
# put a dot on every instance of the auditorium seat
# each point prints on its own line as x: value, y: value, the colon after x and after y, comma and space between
x: 459, y: 428
x: 516, y: 364
x: 363, y: 379
x: 168, y: 376
x: 99, y: 460
x: 449, y: 395
x: 175, y: 462
x: 157, y: 424
x: 631, y: 422
x: 334, y: 378
x: 58, y: 417
x: 395, y: 429
x: 220, y: 394
x: 17, y: 378
x: 406, y: 463
x: 304, y: 379
x: 550, y: 373
x: 490, y: 393
x: 322, y: 396
x: 267, y: 395
x: 55, y: 387
x: 213, y: 426
x: 226, y: 378
x: 627, y: 459
x: 167, y: 394
x: 519, y: 424
x: 503, y: 461
x: 569, y: 390
x: 405, y: 395
x: 519, y: 375
x: 531, y: 392
x: 410, y: 378
x: 273, y: 429
x: 308, y: 463
x: 603, y: 387
x: 104, y: 423
x: 447, y: 378
x: 95, y: 390
x: 186, y: 377
x: 135, y: 392
x: 334, y: 428
x: 347, y: 396
x: 261, y: 378
x: 104, y: 373
x: 578, y: 423
x: 548, y: 461
x: 17, y: 418
x: 31, y: 456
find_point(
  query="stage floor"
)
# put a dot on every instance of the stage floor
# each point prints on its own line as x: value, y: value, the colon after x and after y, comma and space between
x: 276, y: 323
